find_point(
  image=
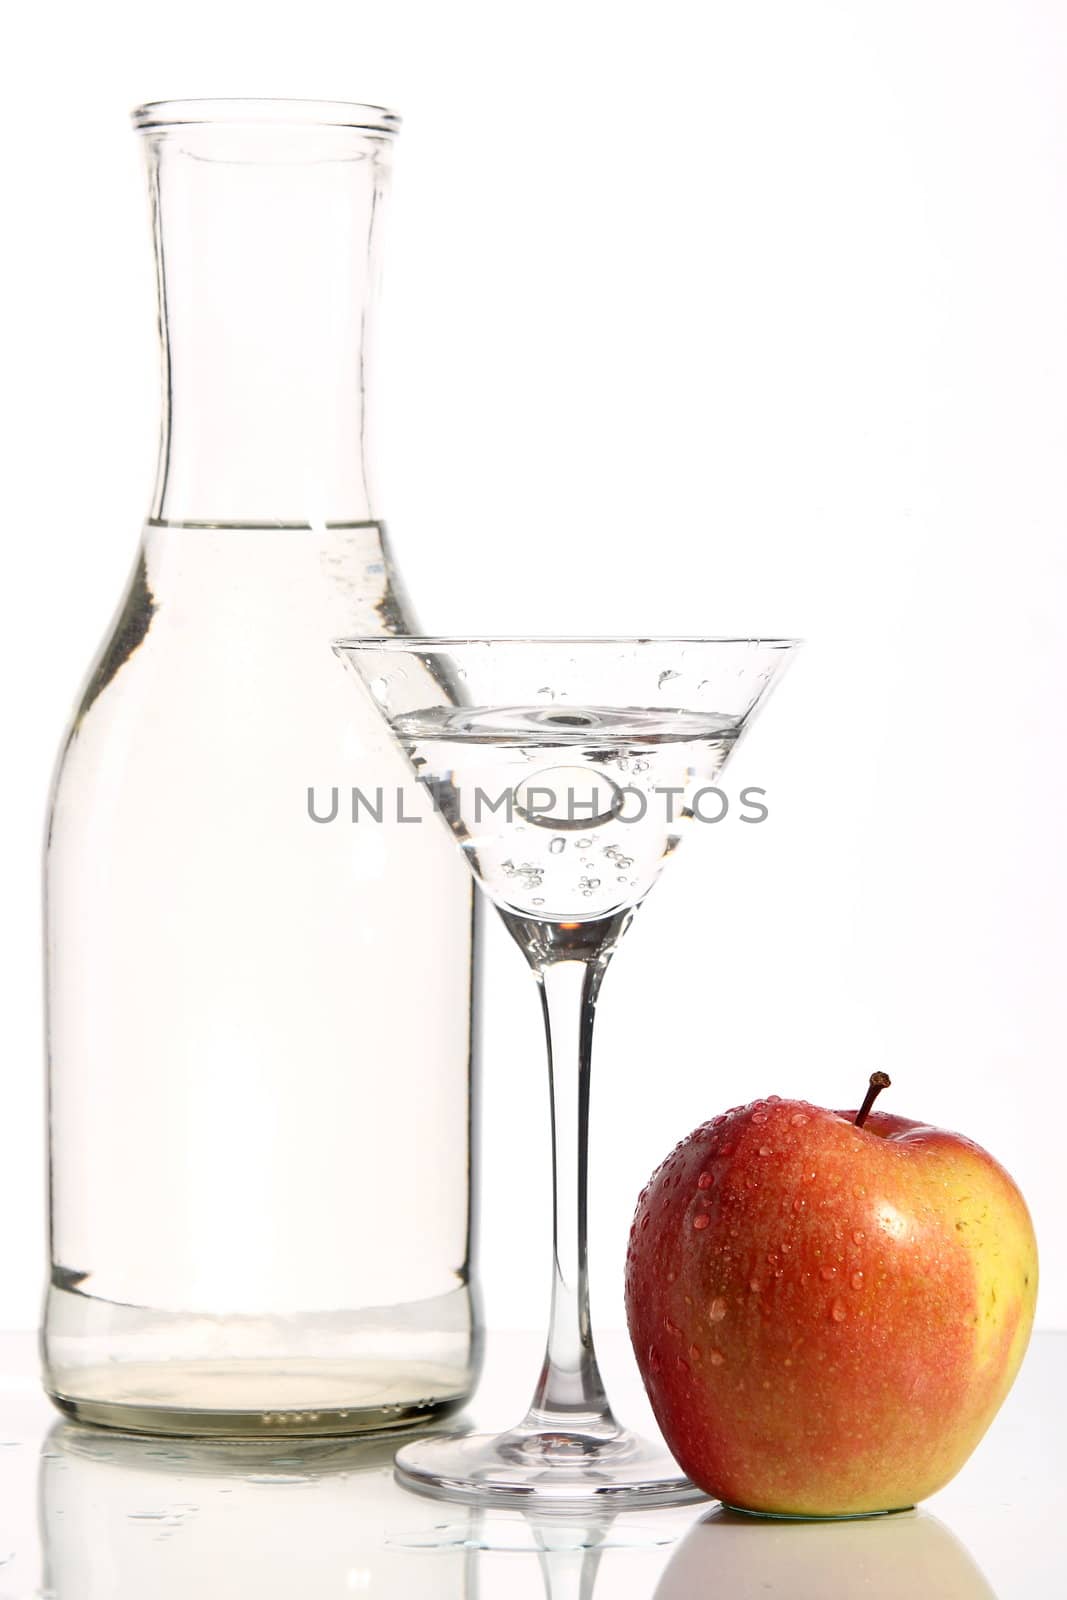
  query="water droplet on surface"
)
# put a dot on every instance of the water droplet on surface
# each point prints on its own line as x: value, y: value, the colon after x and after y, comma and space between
x: 798, y: 1119
x: 654, y: 1362
x: 671, y: 1327
x: 753, y: 1284
x: 681, y: 1363
x: 694, y: 1352
x: 858, y: 1190
x: 838, y: 1312
x: 759, y: 1118
x: 558, y: 846
x: 716, y: 1358
x: 645, y: 1220
x: 666, y: 677
x: 764, y: 1149
x: 717, y: 1309
x: 858, y: 1236
x: 705, y: 1180
x: 584, y: 844
x: 799, y: 1204
x: 856, y: 1280
x: 826, y: 1273
x: 701, y: 1220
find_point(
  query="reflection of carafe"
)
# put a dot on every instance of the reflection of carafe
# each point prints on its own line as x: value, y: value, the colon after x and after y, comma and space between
x: 259, y: 1035
x: 143, y: 1519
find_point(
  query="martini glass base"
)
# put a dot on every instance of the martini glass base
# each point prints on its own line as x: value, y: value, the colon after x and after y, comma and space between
x: 561, y: 1471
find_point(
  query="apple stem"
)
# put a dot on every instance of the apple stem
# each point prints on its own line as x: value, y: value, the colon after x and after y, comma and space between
x: 879, y: 1081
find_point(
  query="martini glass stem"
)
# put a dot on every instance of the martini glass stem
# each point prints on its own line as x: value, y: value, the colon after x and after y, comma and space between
x: 570, y: 1394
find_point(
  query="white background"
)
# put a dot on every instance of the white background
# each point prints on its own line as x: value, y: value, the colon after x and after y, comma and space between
x: 699, y: 317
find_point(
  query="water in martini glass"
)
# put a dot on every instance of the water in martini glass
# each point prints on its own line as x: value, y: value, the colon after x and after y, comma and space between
x: 566, y: 770
x: 566, y: 813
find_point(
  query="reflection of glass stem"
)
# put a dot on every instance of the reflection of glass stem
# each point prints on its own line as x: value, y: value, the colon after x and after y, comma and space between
x: 569, y: 1574
x: 568, y: 1554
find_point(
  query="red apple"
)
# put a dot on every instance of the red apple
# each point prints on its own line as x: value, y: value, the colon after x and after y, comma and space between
x: 827, y: 1317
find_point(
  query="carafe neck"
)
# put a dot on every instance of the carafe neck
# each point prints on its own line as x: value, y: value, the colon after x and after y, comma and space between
x: 265, y: 234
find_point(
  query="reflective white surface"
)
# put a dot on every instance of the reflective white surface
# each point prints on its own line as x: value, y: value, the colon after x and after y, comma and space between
x: 86, y: 1515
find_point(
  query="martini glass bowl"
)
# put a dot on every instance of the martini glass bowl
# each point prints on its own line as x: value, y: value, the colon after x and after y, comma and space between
x: 568, y: 771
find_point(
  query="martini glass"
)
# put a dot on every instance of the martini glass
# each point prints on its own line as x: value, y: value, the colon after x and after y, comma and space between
x: 568, y: 771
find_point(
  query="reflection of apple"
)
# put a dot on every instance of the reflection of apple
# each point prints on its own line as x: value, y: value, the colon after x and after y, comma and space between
x: 911, y: 1554
x: 827, y: 1317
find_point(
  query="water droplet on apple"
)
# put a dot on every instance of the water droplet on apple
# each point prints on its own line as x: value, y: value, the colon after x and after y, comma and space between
x: 681, y: 1363
x: 717, y: 1309
x: 857, y: 1280
x: 716, y: 1358
x: 671, y: 1327
x: 753, y: 1284
x: 799, y: 1204
x: 858, y: 1190
x: 827, y: 1272
x: 764, y: 1149
x: 654, y: 1362
x: 858, y: 1236
x: 701, y: 1220
x: 694, y: 1352
x: 705, y: 1180
x: 838, y: 1312
x: 774, y: 1099
x: 645, y: 1220
x: 727, y: 1150
x: 798, y: 1119
x: 759, y: 1118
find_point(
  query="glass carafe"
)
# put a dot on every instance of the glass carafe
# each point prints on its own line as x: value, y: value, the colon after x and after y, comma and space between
x: 260, y: 1059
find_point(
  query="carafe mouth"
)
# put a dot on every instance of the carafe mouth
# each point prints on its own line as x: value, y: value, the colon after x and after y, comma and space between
x: 278, y: 113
